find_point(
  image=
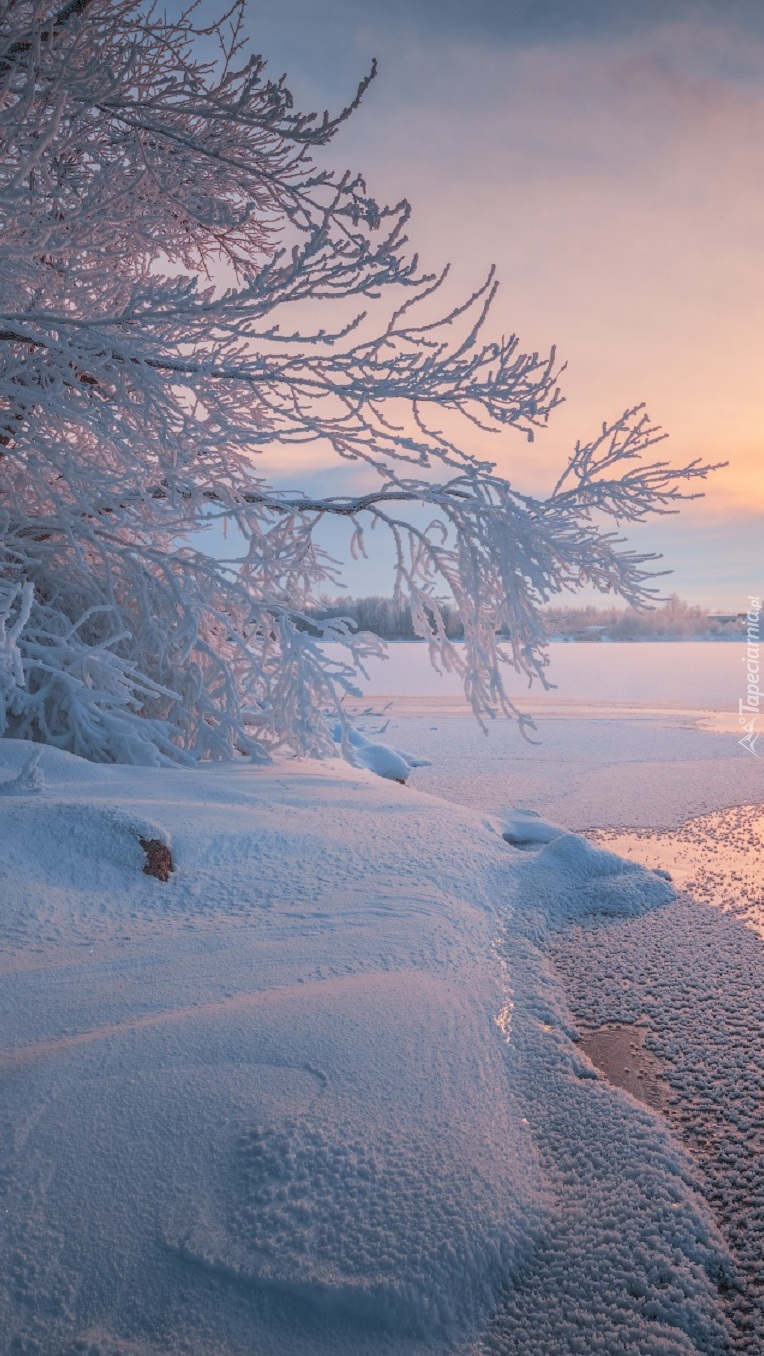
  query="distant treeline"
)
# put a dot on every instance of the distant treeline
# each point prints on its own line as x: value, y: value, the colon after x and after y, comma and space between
x: 672, y: 620
x: 384, y: 616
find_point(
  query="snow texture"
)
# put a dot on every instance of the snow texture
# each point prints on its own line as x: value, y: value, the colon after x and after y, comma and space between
x: 28, y: 781
x: 587, y: 770
x: 694, y: 981
x: 320, y: 1092
x: 387, y: 762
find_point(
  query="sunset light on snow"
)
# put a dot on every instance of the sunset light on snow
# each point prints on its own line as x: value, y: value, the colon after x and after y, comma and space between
x: 381, y: 688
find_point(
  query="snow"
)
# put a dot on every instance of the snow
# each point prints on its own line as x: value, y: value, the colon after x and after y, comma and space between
x: 251, y: 1045
x: 393, y: 764
x: 525, y: 829
x: 588, y: 769
x: 321, y: 1092
x: 694, y: 980
x: 27, y: 781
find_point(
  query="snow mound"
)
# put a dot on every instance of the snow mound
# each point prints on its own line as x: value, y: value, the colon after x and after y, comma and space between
x: 525, y: 829
x: 376, y: 1228
x: 382, y: 759
x: 28, y: 781
x: 285, y: 1065
x: 566, y: 877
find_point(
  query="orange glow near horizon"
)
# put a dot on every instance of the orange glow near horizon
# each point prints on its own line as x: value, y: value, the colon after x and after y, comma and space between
x: 616, y: 179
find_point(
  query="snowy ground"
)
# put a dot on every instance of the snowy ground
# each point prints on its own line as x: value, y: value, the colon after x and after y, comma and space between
x: 322, y: 1092
x: 670, y: 1006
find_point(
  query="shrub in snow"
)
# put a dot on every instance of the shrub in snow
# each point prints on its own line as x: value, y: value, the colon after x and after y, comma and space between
x: 163, y: 220
x: 158, y: 858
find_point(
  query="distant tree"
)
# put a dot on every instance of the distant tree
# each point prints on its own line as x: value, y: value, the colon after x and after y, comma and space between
x: 673, y: 620
x: 162, y: 216
x: 384, y: 616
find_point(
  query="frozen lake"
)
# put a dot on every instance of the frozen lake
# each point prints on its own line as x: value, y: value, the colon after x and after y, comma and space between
x: 634, y: 735
x: 702, y: 675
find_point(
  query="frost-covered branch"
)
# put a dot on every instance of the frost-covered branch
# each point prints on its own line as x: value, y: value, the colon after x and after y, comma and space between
x: 587, y: 483
x: 183, y: 288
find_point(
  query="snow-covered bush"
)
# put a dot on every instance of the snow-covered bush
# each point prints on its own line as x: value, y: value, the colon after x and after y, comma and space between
x: 165, y: 231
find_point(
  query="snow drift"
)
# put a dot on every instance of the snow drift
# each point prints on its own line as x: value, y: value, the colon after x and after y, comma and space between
x: 317, y: 1092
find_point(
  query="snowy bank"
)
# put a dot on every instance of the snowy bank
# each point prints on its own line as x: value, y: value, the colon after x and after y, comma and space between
x: 319, y: 1092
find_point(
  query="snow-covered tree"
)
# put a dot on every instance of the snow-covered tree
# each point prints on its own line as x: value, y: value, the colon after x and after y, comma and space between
x: 166, y: 229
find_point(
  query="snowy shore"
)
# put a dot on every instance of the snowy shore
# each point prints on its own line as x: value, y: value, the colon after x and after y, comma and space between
x: 321, y: 1092
x: 691, y: 986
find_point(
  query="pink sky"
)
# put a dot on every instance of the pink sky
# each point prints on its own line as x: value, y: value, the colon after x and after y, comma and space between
x: 613, y: 169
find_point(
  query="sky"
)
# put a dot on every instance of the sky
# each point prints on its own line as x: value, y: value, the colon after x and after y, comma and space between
x: 609, y: 159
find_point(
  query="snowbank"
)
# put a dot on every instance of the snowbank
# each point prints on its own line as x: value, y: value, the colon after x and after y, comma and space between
x: 393, y: 764
x: 318, y: 1092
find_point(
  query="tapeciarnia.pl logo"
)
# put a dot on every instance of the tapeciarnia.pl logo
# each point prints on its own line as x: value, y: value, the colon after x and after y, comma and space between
x: 749, y: 706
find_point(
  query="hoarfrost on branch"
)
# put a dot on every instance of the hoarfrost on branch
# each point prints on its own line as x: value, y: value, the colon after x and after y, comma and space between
x: 166, y: 229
